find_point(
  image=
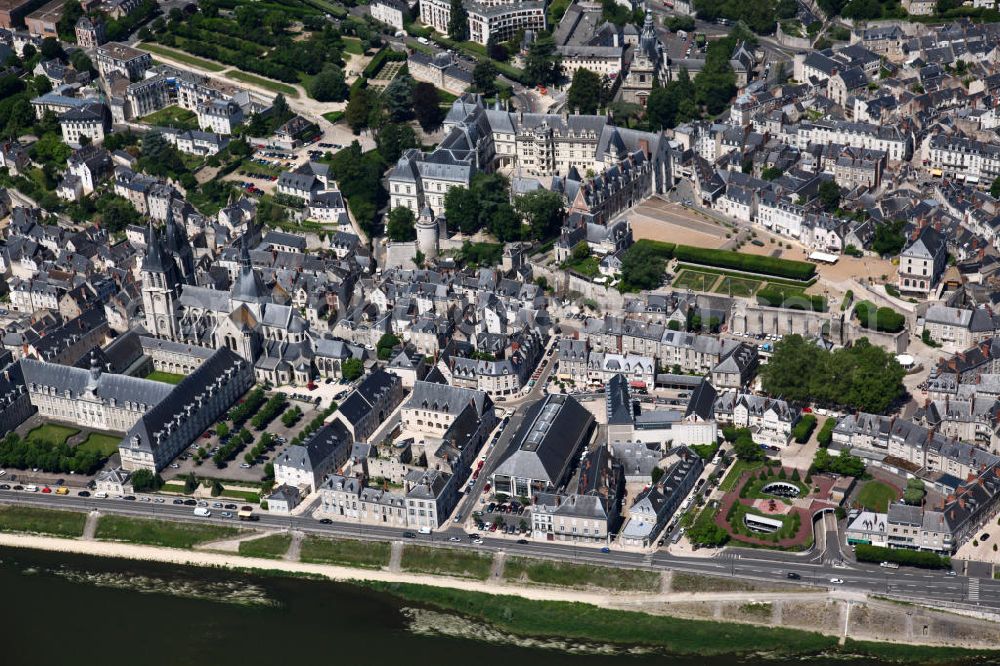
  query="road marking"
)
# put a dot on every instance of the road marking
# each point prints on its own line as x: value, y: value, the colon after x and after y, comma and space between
x: 973, y: 589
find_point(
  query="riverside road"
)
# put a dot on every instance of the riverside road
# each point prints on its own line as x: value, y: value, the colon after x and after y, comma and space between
x: 813, y: 568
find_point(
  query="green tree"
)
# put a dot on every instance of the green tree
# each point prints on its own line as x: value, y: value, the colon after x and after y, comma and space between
x: 484, y: 75
x: 217, y: 488
x: 401, y: 225
x: 643, y: 267
x: 190, y: 483
x: 358, y: 109
x: 426, y: 106
x: 51, y: 49
x: 586, y: 93
x: 505, y: 223
x: 329, y: 85
x: 398, y: 98
x: 771, y: 173
x: 385, y: 346
x: 280, y: 111
x: 889, y: 239
x: 543, y: 211
x: 829, y: 195
x: 495, y: 48
x: 222, y: 430
x: 458, y: 23
x: 145, y: 480
x: 66, y: 25
x: 351, y: 369
x: 394, y: 139
x: 542, y: 64
x: 995, y: 188
x: 461, y: 209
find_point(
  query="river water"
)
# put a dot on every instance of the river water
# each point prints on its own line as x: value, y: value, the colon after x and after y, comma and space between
x: 65, y: 609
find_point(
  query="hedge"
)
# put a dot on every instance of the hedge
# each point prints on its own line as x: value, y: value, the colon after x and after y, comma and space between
x: 804, y: 428
x: 793, y: 299
x: 379, y: 59
x: 915, y: 558
x: 882, y: 319
x: 659, y: 248
x: 752, y: 263
x: 825, y: 435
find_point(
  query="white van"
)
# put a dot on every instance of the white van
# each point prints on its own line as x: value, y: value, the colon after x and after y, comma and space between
x: 202, y: 512
x: 424, y: 530
x: 101, y: 495
x: 423, y: 40
x: 31, y: 488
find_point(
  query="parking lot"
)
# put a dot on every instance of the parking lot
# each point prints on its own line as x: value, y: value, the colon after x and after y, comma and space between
x: 236, y: 469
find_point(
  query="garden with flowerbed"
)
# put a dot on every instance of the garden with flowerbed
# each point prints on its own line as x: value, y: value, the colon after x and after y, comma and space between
x: 772, y: 507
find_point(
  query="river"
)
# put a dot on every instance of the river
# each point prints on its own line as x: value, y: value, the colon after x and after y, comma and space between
x: 63, y: 609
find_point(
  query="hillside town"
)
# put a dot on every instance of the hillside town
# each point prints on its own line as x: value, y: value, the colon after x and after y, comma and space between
x: 635, y: 279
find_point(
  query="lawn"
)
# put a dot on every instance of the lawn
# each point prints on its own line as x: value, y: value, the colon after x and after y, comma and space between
x: 689, y: 582
x: 273, y: 546
x: 244, y: 495
x: 696, y: 280
x: 732, y: 286
x: 180, y: 56
x: 268, y: 84
x: 159, y: 532
x: 52, y: 433
x: 334, y: 116
x: 165, y: 377
x: 564, y: 574
x: 352, y: 45
x: 42, y: 521
x: 876, y: 496
x: 345, y: 552
x: 172, y: 116
x: 106, y: 445
x: 446, y: 562
x: 589, y: 266
x: 735, y: 471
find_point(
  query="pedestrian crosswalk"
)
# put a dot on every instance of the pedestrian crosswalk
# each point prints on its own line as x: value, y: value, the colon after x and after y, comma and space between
x: 973, y: 589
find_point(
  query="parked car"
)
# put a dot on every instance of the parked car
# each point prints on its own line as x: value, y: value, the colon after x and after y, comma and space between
x: 794, y: 576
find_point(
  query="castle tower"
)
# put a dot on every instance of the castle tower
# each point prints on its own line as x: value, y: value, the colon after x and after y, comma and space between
x: 161, y: 284
x: 428, y: 234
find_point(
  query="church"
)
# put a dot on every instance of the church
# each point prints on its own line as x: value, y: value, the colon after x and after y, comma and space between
x: 274, y: 338
x: 650, y: 66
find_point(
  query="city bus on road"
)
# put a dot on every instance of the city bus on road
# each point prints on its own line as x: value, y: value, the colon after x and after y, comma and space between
x: 246, y: 513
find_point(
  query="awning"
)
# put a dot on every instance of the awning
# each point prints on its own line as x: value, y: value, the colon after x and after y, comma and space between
x: 637, y: 385
x: 937, y: 172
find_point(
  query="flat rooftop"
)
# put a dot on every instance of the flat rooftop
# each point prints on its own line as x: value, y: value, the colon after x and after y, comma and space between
x: 51, y: 11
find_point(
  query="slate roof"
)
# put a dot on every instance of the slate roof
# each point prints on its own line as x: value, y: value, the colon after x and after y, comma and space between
x: 315, y: 451
x: 549, y: 436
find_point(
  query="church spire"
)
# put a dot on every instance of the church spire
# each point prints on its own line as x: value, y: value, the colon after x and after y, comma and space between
x: 154, y: 261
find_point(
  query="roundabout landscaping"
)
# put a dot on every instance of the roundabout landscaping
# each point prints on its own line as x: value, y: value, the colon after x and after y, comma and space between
x: 772, y: 507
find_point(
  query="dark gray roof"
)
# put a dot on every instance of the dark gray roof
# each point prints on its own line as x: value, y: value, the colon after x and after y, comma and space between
x: 362, y: 399
x: 105, y: 386
x: 618, y: 401
x: 316, y: 450
x: 444, y: 398
x: 552, y: 431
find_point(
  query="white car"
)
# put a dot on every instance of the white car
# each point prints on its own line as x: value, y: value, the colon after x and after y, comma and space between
x: 836, y: 581
x: 455, y: 540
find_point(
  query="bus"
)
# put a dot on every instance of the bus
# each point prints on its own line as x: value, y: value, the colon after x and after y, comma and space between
x: 246, y: 513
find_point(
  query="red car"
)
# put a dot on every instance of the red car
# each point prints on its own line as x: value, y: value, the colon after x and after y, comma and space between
x: 46, y: 489
x: 486, y: 488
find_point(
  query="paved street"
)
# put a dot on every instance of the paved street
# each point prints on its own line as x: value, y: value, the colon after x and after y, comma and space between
x: 752, y: 565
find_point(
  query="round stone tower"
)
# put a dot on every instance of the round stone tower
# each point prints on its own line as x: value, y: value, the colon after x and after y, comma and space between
x: 427, y: 233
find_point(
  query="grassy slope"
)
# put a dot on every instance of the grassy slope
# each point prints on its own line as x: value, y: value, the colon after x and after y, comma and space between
x: 273, y: 546
x: 580, y: 575
x: 42, y: 521
x: 345, y: 552
x: 446, y: 561
x: 159, y: 533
